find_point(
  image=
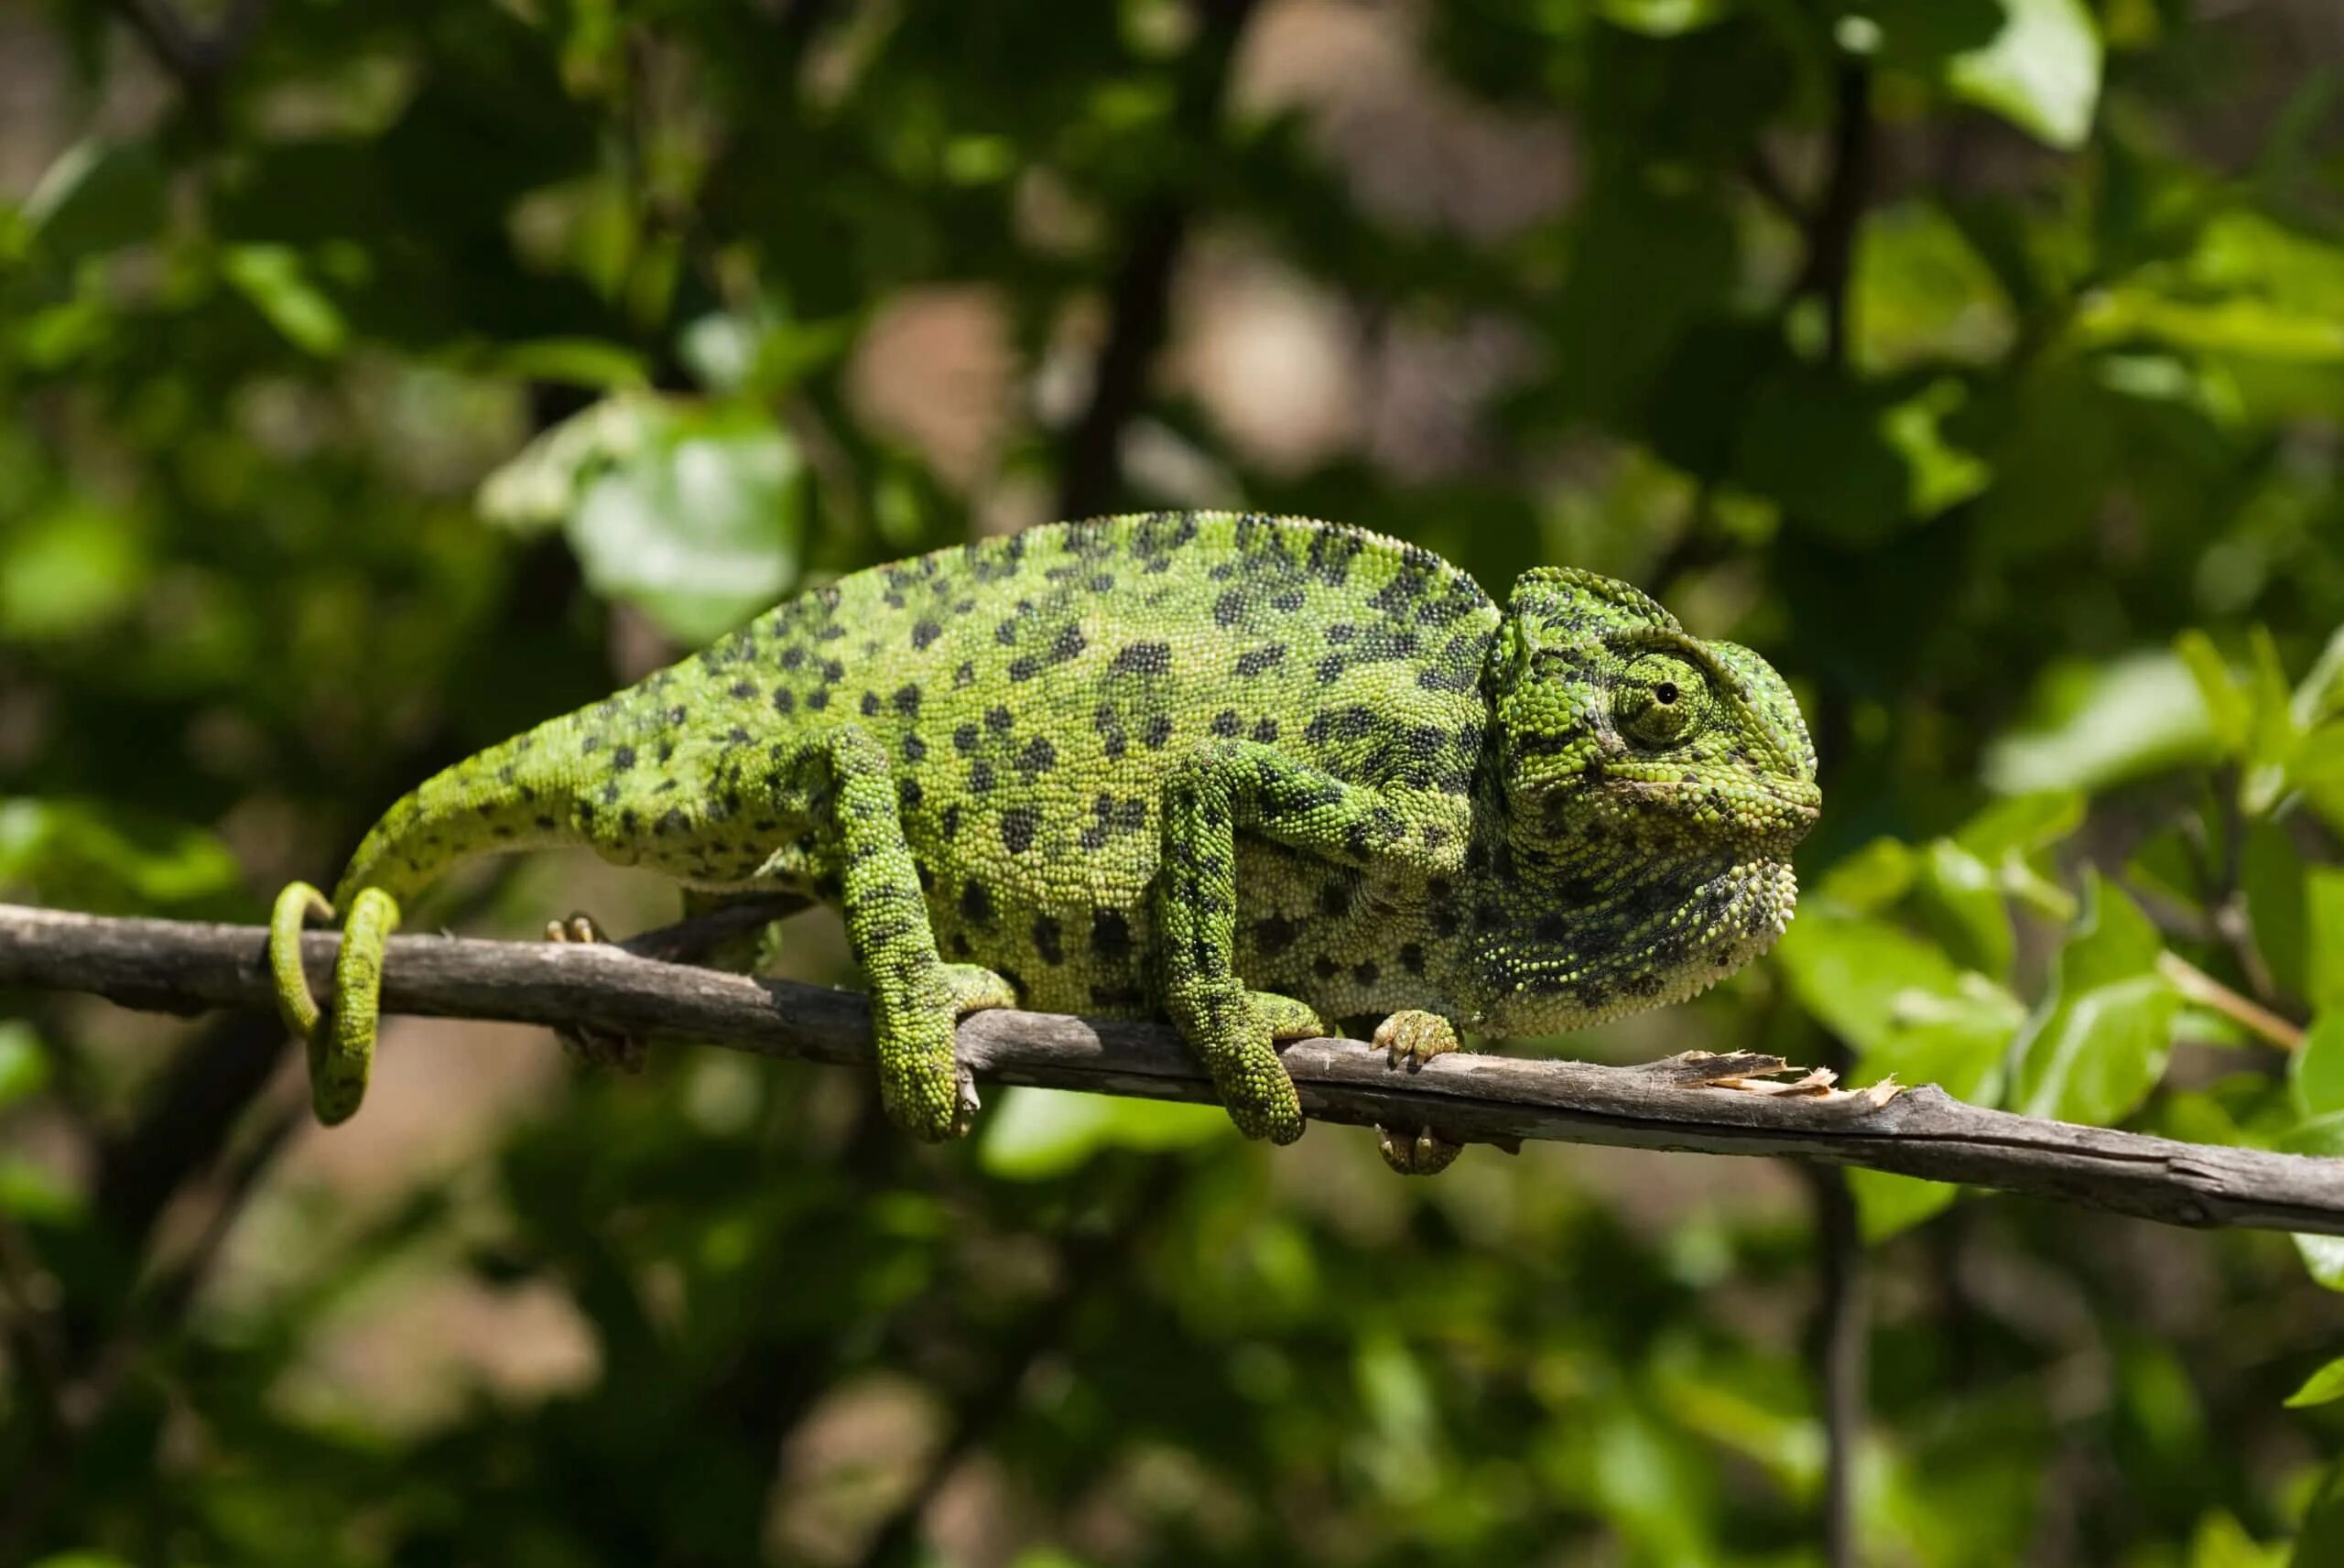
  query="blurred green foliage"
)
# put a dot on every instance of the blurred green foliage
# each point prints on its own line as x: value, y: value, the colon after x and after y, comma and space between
x: 377, y: 379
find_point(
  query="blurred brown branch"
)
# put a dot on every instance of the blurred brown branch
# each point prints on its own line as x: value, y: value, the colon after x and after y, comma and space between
x: 1720, y: 1104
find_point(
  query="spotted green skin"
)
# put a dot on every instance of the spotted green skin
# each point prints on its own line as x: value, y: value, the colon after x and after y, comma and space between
x: 1262, y: 775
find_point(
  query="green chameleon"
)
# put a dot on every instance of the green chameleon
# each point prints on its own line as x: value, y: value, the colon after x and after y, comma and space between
x: 1260, y: 775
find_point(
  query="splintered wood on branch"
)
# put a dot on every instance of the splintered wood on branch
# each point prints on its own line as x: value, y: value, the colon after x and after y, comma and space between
x: 1718, y: 1105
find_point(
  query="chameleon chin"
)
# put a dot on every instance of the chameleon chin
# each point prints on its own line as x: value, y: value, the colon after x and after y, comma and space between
x: 1259, y: 774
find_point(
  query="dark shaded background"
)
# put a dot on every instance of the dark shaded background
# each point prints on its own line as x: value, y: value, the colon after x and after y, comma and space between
x: 377, y: 378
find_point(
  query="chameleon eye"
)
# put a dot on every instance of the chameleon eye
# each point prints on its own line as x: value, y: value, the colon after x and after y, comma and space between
x: 1659, y: 700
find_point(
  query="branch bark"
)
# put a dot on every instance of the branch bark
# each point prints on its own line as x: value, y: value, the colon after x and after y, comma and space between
x: 1716, y: 1104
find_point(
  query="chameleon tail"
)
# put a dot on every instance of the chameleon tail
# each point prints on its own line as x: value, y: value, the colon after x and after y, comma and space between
x: 512, y: 797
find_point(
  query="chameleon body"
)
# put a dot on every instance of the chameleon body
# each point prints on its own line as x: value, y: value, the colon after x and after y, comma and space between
x: 1262, y: 775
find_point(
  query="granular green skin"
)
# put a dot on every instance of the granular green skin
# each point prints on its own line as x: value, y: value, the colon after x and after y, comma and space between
x: 1262, y: 775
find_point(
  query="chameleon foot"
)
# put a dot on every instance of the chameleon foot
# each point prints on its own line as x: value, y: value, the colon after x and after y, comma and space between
x: 341, y: 1041
x: 582, y: 1043
x: 1413, y: 1038
x: 1425, y: 1154
x: 924, y: 1085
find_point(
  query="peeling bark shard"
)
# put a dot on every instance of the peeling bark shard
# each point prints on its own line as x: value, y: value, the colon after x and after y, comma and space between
x: 1720, y: 1104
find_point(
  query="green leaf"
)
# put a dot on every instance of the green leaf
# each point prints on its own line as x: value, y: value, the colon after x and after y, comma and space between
x: 540, y: 485
x: 2320, y: 694
x: 272, y: 279
x: 24, y: 1065
x: 2222, y: 1542
x: 2097, y: 1043
x: 1888, y: 1205
x: 2320, y: 1542
x: 2226, y: 701
x: 572, y: 362
x: 1906, y: 1007
x: 2324, y: 938
x: 1968, y: 894
x: 2271, y: 873
x: 2321, y: 1387
x: 2272, y: 731
x: 2041, y: 73
x: 2100, y: 725
x: 1033, y: 1135
x: 2315, y: 1073
x: 1662, y: 18
x: 1872, y: 878
x: 89, y: 855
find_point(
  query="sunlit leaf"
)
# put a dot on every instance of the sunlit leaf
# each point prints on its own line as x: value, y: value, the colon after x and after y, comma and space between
x: 2227, y: 707
x: 274, y: 279
x: 2271, y: 872
x: 2041, y: 72
x: 2321, y: 1387
x: 2100, y: 725
x: 1032, y: 1135
x: 699, y: 529
x: 2316, y: 1072
x: 2097, y: 1044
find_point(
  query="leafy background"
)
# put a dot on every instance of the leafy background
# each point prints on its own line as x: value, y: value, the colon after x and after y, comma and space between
x: 377, y: 378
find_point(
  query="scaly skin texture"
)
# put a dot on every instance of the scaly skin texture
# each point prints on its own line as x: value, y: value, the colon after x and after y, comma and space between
x: 1262, y: 775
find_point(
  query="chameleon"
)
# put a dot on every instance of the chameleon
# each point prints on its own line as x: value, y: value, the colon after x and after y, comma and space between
x: 1267, y: 776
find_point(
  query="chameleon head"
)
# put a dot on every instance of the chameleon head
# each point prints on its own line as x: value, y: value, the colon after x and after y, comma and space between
x: 1676, y: 773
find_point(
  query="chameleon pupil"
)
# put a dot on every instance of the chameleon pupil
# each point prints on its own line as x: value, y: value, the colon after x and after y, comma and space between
x: 1665, y: 692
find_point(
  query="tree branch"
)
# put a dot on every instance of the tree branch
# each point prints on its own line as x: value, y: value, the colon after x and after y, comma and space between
x: 1717, y: 1105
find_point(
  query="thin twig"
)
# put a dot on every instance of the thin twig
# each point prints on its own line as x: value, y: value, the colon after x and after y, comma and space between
x: 2197, y: 986
x: 1722, y: 1105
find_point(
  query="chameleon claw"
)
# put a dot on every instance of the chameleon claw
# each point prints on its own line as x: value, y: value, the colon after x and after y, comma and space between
x: 588, y: 1046
x: 1425, y: 1154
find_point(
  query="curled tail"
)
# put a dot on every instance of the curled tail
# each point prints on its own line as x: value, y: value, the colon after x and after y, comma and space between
x: 516, y: 796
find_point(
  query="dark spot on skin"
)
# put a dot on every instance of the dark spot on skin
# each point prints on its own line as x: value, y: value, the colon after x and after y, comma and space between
x: 915, y: 749
x: 1158, y: 731
x: 1412, y: 957
x: 870, y: 705
x: 621, y: 759
x: 1254, y: 661
x: 1110, y: 936
x: 1228, y: 609
x: 1048, y: 940
x: 958, y: 946
x: 784, y: 700
x: 1289, y: 601
x: 588, y: 744
x: 950, y: 822
x: 1069, y: 642
x: 1266, y: 730
x: 980, y: 776
x: 906, y: 701
x: 1023, y: 669
x: 1275, y: 935
x: 1142, y: 659
x: 976, y: 903
x: 908, y: 793
x: 678, y: 715
x: 964, y: 739
x: 743, y: 690
x: 998, y: 720
x: 1017, y: 827
x: 966, y: 675
x: 1335, y: 899
x: 1226, y: 723
x: 1039, y: 757
x: 1323, y: 966
x: 818, y: 700
x: 1365, y: 972
x: 924, y: 633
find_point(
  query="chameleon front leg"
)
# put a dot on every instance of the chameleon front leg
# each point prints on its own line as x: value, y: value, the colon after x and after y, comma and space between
x: 341, y: 1041
x: 916, y: 999
x: 1242, y: 786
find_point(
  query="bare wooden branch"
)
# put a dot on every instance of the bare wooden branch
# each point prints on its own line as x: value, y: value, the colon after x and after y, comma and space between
x: 1716, y: 1104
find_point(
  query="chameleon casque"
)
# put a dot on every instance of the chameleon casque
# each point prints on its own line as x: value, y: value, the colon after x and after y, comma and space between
x: 1260, y: 775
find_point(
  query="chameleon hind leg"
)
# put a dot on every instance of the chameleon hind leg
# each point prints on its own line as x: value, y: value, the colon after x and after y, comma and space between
x: 1409, y: 1040
x: 916, y: 999
x: 1222, y: 788
x: 341, y: 1039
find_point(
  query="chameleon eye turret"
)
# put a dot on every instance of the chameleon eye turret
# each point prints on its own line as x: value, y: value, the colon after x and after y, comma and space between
x: 1259, y: 774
